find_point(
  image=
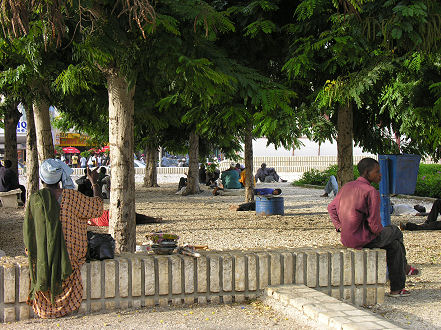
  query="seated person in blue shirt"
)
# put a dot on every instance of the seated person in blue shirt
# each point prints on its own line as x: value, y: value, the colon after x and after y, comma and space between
x: 251, y: 206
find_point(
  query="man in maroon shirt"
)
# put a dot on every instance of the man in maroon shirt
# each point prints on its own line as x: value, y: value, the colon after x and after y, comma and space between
x: 355, y: 212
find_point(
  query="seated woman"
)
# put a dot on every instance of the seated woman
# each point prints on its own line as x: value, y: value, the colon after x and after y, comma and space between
x: 55, y: 236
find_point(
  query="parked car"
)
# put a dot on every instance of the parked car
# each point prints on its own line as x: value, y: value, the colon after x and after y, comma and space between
x: 139, y: 164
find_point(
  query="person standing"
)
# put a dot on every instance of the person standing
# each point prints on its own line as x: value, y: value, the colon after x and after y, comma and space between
x: 75, y: 161
x: 83, y: 161
x: 355, y: 213
x: 9, y: 180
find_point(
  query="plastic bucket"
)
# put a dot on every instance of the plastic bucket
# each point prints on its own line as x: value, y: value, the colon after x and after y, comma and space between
x: 269, y: 206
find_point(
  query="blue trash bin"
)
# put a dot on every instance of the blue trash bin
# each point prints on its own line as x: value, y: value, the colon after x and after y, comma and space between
x: 269, y: 205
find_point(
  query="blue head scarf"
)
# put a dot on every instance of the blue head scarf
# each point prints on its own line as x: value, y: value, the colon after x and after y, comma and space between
x: 54, y: 170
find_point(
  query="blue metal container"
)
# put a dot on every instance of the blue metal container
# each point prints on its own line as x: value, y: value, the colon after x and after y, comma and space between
x: 384, y: 191
x: 269, y: 205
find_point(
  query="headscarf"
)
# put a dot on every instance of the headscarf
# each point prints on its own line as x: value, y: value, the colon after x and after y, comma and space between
x: 54, y: 170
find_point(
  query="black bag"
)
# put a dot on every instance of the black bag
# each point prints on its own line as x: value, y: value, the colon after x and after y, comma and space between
x: 100, y: 246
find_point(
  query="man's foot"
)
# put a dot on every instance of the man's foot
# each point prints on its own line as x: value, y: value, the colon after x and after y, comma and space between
x: 324, y: 195
x: 234, y: 207
x: 400, y: 293
x: 411, y: 271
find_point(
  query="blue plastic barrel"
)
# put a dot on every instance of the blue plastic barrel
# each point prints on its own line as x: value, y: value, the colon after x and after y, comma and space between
x: 269, y: 205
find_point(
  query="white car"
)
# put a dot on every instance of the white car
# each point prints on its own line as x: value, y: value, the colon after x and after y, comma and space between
x: 138, y: 163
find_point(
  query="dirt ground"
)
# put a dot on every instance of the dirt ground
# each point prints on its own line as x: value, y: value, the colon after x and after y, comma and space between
x: 205, y: 219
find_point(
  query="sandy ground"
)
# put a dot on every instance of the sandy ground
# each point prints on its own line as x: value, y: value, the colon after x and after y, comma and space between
x: 206, y: 220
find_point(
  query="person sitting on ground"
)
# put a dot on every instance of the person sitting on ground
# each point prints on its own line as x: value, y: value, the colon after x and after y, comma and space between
x: 230, y: 178
x: 9, y: 180
x: 55, y: 237
x: 251, y: 206
x: 431, y: 223
x: 84, y: 185
x: 355, y: 213
x: 331, y: 185
x: 242, y: 177
x: 238, y: 168
x: 267, y: 174
x: 202, y: 174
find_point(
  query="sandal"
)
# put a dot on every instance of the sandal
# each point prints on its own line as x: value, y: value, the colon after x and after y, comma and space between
x: 401, y: 293
x: 413, y: 272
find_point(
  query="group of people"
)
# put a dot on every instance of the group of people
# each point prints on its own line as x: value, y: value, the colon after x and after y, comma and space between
x: 80, y: 161
x: 56, y: 218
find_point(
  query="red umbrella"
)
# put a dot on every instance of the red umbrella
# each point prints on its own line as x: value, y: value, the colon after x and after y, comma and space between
x: 71, y: 150
x: 104, y: 149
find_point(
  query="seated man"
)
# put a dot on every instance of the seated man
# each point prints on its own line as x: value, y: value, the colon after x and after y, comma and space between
x: 84, y: 185
x: 355, y: 213
x: 230, y: 178
x: 9, y: 180
x: 267, y: 174
x: 331, y: 185
x: 430, y: 223
x: 251, y: 206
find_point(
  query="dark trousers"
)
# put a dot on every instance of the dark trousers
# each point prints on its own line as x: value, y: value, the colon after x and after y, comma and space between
x: 434, y: 225
x: 391, y: 239
x: 23, y: 193
x: 436, y: 209
x: 251, y: 206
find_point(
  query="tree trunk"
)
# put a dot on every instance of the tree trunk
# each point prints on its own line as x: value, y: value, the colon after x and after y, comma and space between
x: 45, y: 144
x: 193, y: 166
x: 345, y: 171
x: 122, y: 224
x: 151, y: 176
x: 249, y: 181
x: 12, y: 116
x: 33, y: 179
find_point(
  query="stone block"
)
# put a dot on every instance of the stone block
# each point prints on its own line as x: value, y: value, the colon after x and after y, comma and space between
x: 381, y: 266
x: 202, y: 300
x: 347, y: 294
x: 84, y: 270
x: 83, y: 308
x: 136, y: 277
x: 9, y: 286
x: 95, y: 279
x: 239, y: 298
x: 176, y: 301
x: 109, y: 278
x: 363, y: 318
x: 239, y: 272
x: 9, y: 314
x: 359, y: 266
x: 214, y: 300
x: 227, y: 299
x: 313, y: 310
x: 288, y: 268
x: 109, y: 306
x: 124, y: 304
x: 311, y: 269
x: 201, y: 266
x: 323, y: 268
x: 263, y: 270
x: 360, y: 326
x: 123, y: 278
x: 163, y: 274
x: 136, y: 303
x: 214, y: 273
x: 176, y: 272
x: 227, y: 273
x: 300, y: 268
x: 337, y: 322
x: 355, y: 312
x: 324, y: 317
x: 335, y: 293
x: 149, y: 302
x: 371, y: 296
x: 189, y: 274
x: 252, y: 272
x: 359, y: 293
x: 24, y: 284
x: 276, y: 269
x: 371, y: 267
x: 336, y: 268
x: 347, y: 267
x: 188, y: 300
x: 149, y: 276
x: 380, y: 295
x: 299, y: 302
x: 96, y: 306
x: 24, y: 311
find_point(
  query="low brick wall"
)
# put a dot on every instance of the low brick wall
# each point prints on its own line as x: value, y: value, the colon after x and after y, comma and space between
x: 137, y: 280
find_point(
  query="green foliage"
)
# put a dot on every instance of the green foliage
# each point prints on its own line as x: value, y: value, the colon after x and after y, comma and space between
x: 320, y: 178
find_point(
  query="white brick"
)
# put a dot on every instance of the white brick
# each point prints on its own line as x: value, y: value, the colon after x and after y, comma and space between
x: 9, y: 314
x: 95, y: 279
x: 347, y: 267
x: 176, y: 274
x: 252, y: 273
x: 24, y: 285
x: 311, y: 269
x: 163, y: 275
x: 359, y: 266
x: 123, y: 278
x: 288, y: 268
x: 9, y: 286
x: 149, y: 275
x: 323, y: 269
x: 276, y: 269
x: 214, y: 273
x: 109, y: 278
x: 381, y: 266
x: 202, y: 274
x: 189, y: 274
x: 227, y: 274
x: 263, y: 270
x: 300, y: 267
x: 239, y: 276
x: 371, y: 267
x: 335, y: 268
x: 136, y: 277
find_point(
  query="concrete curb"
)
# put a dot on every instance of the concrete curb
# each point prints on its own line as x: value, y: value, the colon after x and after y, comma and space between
x: 327, y: 311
